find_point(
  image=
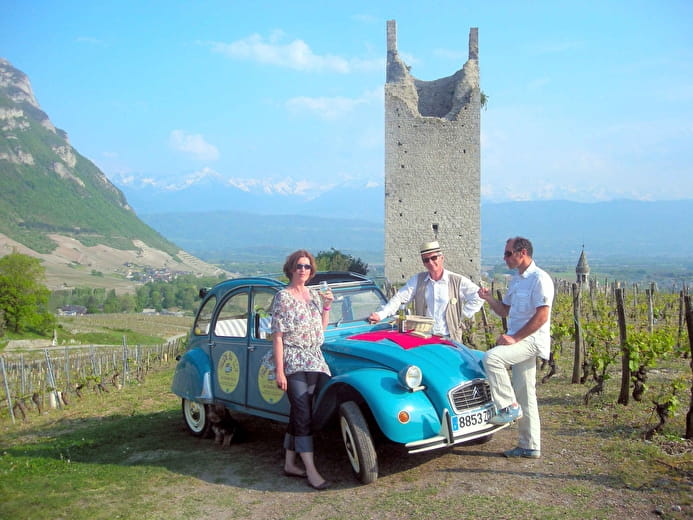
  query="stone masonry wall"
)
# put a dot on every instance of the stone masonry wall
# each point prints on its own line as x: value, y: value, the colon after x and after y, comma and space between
x: 432, y: 166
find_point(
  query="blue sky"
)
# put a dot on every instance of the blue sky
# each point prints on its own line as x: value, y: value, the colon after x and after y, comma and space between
x: 587, y: 101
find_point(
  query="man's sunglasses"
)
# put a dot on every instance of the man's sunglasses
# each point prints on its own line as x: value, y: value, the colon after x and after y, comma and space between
x: 431, y: 258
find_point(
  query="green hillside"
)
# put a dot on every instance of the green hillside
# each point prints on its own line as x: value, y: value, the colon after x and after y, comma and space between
x: 47, y: 187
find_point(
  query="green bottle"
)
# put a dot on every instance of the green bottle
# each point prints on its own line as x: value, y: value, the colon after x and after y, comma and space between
x: 401, y: 318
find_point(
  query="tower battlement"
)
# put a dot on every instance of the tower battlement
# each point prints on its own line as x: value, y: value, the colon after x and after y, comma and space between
x: 432, y: 165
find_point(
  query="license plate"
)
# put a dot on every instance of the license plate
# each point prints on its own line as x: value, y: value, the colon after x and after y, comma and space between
x: 471, y: 421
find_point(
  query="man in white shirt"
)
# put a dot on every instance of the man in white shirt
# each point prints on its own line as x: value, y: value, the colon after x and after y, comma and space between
x: 527, y: 305
x: 445, y: 296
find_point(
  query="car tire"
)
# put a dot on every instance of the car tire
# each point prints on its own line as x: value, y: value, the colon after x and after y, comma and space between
x: 358, y: 442
x: 196, y: 418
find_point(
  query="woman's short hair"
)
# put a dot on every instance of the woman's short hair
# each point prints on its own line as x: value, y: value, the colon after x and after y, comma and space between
x: 292, y: 261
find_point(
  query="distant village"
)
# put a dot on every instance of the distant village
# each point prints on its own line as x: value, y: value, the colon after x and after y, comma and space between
x: 149, y: 274
x: 140, y: 274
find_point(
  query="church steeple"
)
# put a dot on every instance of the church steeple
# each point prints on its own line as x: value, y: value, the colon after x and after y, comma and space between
x: 582, y: 269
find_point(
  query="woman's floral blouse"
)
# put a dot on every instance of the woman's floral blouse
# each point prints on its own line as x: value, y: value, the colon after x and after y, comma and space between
x: 301, y: 326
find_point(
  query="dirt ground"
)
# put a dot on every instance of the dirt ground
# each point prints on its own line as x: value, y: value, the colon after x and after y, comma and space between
x: 574, y: 478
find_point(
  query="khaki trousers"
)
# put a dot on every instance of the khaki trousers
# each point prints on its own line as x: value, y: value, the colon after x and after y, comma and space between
x: 521, y: 357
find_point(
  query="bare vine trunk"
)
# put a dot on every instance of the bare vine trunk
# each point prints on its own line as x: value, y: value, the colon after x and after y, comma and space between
x: 578, y: 359
x: 623, y: 397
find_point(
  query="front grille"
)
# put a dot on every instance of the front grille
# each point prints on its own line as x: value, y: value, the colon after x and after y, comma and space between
x: 470, y: 395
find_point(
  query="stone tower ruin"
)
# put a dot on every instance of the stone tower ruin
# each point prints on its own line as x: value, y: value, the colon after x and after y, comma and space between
x: 432, y: 165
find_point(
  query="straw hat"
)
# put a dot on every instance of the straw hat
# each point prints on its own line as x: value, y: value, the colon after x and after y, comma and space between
x: 430, y: 247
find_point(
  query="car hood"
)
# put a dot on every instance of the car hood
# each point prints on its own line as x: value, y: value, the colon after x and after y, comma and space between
x: 444, y: 364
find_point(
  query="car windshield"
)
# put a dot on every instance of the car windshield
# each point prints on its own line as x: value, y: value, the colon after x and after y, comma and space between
x: 354, y: 304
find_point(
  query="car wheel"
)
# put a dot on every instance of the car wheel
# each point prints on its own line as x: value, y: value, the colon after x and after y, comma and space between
x: 358, y: 442
x: 196, y: 418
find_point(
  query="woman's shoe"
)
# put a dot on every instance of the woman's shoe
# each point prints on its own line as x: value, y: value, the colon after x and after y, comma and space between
x: 320, y: 487
x: 298, y: 475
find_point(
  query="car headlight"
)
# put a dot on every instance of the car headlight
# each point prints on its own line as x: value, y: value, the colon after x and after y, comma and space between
x: 410, y: 377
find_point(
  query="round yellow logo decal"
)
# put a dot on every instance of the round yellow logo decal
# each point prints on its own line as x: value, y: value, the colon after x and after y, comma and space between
x: 228, y: 372
x: 267, y: 384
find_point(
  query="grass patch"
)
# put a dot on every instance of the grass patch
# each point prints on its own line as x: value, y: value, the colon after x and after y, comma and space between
x: 126, y: 454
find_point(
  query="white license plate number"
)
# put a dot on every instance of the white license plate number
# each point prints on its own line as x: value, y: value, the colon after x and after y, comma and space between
x: 471, y: 420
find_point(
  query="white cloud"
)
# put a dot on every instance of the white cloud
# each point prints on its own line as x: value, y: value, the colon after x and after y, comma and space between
x: 295, y: 54
x: 331, y: 108
x: 193, y: 144
x: 126, y: 179
x: 323, y: 107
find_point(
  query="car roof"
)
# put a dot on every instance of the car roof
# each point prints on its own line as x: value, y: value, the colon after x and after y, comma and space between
x: 337, y: 277
x: 331, y: 277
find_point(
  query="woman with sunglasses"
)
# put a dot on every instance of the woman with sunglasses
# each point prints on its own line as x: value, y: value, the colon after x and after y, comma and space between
x: 299, y: 317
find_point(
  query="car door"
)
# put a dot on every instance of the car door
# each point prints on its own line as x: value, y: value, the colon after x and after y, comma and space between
x: 229, y: 347
x: 263, y: 394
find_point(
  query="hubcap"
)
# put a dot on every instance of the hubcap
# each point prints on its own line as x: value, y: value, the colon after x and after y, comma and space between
x: 349, y: 445
x: 195, y: 416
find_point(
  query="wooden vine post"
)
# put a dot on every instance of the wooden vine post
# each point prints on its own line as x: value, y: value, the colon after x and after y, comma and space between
x: 7, y: 389
x: 578, y: 359
x: 625, y: 353
x: 682, y: 319
x: 504, y: 321
x: 650, y: 310
x: 689, y: 326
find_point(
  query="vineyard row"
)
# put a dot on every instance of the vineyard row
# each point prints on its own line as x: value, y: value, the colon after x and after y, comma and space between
x: 46, y: 378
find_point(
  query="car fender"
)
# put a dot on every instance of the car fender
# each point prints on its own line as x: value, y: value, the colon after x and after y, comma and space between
x: 380, y: 390
x: 192, y: 379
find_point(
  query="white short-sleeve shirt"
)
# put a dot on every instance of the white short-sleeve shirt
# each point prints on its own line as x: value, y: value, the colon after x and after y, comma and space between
x: 527, y: 291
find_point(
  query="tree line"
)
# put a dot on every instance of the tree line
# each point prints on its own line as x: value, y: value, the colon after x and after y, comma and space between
x: 26, y: 304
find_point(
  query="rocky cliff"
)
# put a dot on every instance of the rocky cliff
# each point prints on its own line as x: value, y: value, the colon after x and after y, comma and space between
x: 58, y: 206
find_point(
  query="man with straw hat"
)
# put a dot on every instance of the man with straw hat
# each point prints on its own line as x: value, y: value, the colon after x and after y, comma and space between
x: 445, y: 296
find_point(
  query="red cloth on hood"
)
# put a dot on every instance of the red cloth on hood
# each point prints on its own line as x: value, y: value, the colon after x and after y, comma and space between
x: 404, y: 340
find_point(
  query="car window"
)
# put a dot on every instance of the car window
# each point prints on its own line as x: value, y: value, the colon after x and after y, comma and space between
x: 232, y: 321
x: 204, y: 316
x: 354, y: 304
x: 364, y: 303
x: 262, y: 305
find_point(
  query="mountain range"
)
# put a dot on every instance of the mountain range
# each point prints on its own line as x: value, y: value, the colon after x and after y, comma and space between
x: 58, y: 206
x: 625, y: 231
